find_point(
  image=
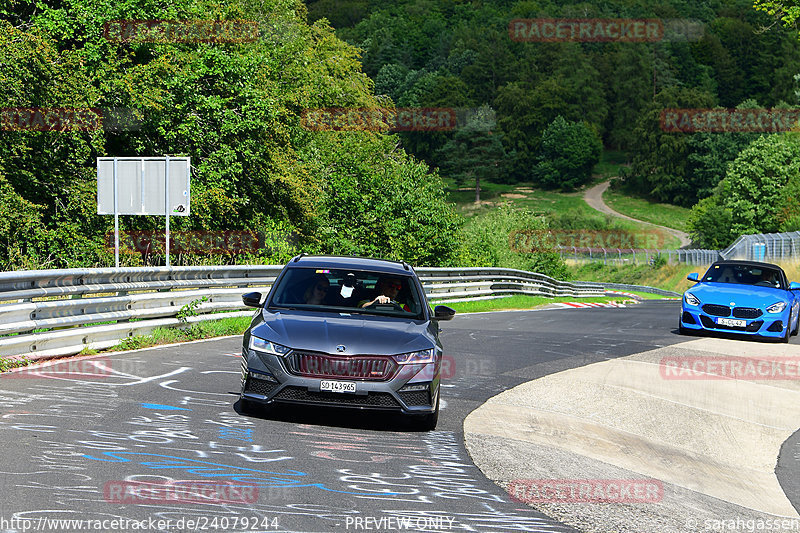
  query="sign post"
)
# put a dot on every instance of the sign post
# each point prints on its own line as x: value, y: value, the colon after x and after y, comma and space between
x: 143, y: 186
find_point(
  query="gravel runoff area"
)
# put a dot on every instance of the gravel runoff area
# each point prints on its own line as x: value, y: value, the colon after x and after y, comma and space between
x: 712, y: 443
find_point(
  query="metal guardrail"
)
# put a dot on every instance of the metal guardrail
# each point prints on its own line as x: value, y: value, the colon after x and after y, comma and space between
x: 48, y: 313
x: 626, y: 287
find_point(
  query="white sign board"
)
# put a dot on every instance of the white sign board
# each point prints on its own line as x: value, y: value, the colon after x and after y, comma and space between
x: 141, y: 186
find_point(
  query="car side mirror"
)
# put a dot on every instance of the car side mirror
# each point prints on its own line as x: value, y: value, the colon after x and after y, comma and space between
x: 442, y: 312
x: 693, y: 277
x: 793, y: 286
x: 252, y: 299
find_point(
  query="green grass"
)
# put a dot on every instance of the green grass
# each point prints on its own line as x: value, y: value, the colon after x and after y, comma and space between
x: 521, y: 301
x: 671, y: 216
x: 200, y: 330
x: 668, y: 277
x: 609, y: 166
x: 647, y: 295
x: 9, y: 363
x: 554, y: 204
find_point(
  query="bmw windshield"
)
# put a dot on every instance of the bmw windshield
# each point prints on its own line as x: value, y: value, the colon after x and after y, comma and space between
x: 744, y: 275
x: 350, y: 291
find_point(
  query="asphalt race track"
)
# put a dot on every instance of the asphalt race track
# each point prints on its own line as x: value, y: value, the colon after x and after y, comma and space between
x: 77, y: 436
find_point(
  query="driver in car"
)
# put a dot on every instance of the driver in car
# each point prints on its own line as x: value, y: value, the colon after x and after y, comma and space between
x: 388, y: 288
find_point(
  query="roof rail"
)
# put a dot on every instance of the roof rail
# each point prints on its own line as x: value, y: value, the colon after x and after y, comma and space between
x: 297, y: 258
x: 405, y: 265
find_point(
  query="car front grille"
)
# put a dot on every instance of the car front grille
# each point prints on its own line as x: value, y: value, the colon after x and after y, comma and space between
x: 746, y: 312
x: 364, y: 367
x: 372, y: 399
x: 717, y: 310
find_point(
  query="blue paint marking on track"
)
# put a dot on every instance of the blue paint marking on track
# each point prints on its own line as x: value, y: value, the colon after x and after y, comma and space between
x: 161, y: 407
x: 261, y: 478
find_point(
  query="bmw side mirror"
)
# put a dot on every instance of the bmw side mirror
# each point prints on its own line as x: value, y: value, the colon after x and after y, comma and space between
x: 442, y: 312
x: 252, y: 299
x: 692, y: 277
x: 793, y: 286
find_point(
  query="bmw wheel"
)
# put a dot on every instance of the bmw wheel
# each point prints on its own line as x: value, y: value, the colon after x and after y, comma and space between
x: 786, y: 335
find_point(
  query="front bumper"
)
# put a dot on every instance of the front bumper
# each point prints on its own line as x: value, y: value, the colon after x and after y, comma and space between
x: 766, y: 325
x: 266, y: 379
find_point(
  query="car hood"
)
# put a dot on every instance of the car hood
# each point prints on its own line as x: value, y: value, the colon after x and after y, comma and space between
x: 742, y: 295
x: 359, y: 334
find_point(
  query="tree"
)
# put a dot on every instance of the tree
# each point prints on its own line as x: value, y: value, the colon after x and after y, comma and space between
x: 475, y: 152
x: 660, y: 158
x: 568, y: 153
x: 757, y: 195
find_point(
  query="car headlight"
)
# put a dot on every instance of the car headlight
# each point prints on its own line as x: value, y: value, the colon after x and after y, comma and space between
x: 423, y: 356
x: 262, y: 345
x: 776, y: 307
x: 691, y: 299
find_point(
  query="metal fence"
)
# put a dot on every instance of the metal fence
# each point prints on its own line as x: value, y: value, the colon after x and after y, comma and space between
x: 47, y: 313
x: 769, y: 247
x: 633, y: 256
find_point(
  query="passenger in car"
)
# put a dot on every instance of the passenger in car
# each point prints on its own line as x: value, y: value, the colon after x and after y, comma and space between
x: 317, y: 291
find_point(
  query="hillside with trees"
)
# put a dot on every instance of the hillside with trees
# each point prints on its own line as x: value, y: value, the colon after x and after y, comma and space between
x: 459, y: 54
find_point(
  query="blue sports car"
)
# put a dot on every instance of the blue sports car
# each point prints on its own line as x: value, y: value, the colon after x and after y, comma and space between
x: 741, y: 297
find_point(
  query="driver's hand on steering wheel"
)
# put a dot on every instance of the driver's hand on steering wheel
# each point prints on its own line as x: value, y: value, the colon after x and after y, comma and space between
x: 381, y: 299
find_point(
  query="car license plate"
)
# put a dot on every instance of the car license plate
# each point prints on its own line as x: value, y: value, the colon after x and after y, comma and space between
x: 731, y: 322
x: 337, y: 386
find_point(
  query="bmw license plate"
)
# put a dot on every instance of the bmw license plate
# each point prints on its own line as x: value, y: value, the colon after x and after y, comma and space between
x: 337, y: 386
x: 731, y: 322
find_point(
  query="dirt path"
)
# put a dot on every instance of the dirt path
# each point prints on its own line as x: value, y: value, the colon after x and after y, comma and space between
x: 594, y: 197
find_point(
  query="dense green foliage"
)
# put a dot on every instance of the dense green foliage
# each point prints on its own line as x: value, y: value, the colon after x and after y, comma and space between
x: 458, y: 53
x: 489, y: 241
x: 569, y: 152
x: 234, y: 108
x: 759, y: 194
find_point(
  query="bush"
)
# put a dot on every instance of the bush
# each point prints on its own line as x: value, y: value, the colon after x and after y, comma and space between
x: 486, y: 241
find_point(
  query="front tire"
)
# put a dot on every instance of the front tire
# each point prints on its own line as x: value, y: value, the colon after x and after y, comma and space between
x: 785, y: 338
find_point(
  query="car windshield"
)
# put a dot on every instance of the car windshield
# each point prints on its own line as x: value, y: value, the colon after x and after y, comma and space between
x: 744, y: 275
x: 348, y: 291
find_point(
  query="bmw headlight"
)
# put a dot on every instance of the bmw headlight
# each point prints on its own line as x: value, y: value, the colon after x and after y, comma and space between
x: 776, y: 307
x: 691, y: 299
x: 262, y: 345
x: 423, y: 356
